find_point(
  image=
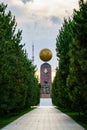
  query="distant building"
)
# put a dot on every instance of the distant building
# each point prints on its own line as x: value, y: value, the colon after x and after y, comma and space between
x: 45, y: 80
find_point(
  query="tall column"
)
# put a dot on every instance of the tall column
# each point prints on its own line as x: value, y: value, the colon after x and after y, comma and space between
x: 45, y: 73
x: 45, y: 80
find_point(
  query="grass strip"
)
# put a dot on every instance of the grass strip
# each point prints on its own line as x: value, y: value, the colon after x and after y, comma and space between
x: 8, y: 119
x: 82, y: 119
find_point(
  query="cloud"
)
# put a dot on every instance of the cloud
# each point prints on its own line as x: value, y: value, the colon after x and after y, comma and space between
x: 48, y: 12
x: 40, y: 21
x: 55, y: 19
x: 24, y: 1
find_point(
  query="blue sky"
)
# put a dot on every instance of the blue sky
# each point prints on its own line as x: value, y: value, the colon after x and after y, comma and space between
x: 40, y: 21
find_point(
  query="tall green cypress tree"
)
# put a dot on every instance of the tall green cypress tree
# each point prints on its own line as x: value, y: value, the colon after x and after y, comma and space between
x: 62, y: 47
x: 77, y: 79
x: 18, y: 83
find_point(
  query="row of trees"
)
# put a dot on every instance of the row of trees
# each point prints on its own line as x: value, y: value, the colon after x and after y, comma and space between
x: 70, y: 83
x: 19, y: 88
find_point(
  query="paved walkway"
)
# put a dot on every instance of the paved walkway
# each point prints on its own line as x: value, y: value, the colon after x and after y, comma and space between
x: 44, y: 118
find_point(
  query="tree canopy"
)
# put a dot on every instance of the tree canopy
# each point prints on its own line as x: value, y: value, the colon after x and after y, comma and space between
x: 19, y: 88
x: 71, y: 48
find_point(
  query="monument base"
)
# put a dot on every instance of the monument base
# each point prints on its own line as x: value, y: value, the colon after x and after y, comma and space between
x: 45, y: 96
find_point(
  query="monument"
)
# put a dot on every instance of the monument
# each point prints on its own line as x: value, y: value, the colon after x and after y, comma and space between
x: 45, y: 73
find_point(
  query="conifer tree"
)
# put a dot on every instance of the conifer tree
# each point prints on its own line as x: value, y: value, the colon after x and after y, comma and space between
x: 18, y: 84
x: 77, y: 79
x: 62, y: 47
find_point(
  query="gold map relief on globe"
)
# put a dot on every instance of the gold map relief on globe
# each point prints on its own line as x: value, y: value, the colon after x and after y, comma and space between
x: 45, y: 54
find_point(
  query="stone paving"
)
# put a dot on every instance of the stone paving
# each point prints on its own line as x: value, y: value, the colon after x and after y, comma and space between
x: 44, y: 118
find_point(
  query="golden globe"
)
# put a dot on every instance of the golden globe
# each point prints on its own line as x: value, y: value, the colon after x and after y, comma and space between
x: 45, y: 54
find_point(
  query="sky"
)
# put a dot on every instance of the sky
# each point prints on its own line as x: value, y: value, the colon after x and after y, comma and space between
x: 40, y: 21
